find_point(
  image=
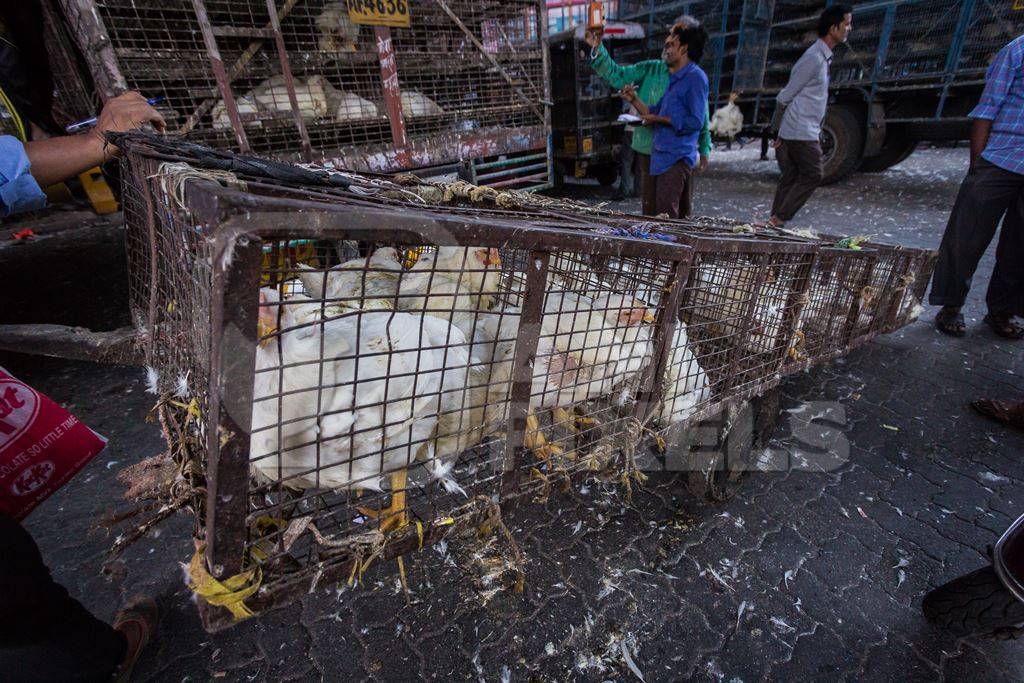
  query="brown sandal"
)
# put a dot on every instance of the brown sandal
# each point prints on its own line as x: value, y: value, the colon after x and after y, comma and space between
x: 1009, y: 413
x: 137, y: 621
x: 1004, y: 326
x: 950, y: 323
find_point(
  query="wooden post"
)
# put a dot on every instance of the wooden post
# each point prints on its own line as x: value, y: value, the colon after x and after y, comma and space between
x: 233, y: 315
x: 392, y: 93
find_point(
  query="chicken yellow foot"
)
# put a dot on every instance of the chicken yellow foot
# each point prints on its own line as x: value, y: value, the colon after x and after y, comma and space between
x: 395, y: 516
x: 534, y: 440
x: 576, y: 424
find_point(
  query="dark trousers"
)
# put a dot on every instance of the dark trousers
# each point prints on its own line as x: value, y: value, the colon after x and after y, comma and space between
x: 647, y: 184
x: 987, y: 194
x: 802, y: 171
x: 46, y: 635
x: 670, y: 194
x: 628, y: 178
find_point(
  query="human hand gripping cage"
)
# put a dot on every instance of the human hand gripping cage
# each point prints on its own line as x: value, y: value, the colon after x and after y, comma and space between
x: 371, y: 365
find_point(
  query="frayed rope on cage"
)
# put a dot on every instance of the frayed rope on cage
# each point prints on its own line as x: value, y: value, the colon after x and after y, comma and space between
x: 172, y: 176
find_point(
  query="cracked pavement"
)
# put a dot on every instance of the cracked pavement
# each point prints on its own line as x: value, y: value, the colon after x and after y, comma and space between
x: 800, y: 575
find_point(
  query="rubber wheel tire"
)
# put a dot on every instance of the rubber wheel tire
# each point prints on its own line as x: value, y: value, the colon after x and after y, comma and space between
x: 842, y: 141
x: 843, y: 132
x: 975, y: 603
x: 894, y: 150
x: 606, y: 175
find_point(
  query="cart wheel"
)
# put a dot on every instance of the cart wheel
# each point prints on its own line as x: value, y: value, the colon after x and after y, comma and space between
x: 606, y: 175
x: 742, y: 432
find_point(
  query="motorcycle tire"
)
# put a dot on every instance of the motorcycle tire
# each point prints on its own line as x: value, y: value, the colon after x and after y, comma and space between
x: 975, y: 603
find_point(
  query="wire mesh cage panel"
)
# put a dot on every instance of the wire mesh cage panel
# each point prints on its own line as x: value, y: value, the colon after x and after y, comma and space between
x: 739, y: 312
x: 825, y: 319
x: 366, y: 364
x: 362, y: 370
x: 300, y: 80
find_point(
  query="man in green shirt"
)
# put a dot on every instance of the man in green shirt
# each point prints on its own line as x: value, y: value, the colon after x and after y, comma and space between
x: 651, y: 80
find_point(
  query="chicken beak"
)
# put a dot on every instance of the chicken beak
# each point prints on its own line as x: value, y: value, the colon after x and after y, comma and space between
x: 648, y: 316
x: 493, y: 258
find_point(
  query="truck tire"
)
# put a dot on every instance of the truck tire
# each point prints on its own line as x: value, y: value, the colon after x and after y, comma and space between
x: 842, y: 142
x: 895, y: 149
x: 975, y: 603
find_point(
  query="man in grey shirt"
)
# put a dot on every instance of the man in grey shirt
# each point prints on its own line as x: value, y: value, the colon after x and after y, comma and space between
x: 796, y: 124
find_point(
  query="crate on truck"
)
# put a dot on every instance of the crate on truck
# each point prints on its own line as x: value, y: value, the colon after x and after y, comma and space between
x: 910, y: 73
x: 450, y: 87
x: 586, y: 133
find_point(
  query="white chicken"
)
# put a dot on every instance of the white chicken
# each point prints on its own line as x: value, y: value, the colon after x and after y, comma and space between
x: 415, y: 103
x: 348, y: 106
x: 453, y: 283
x: 357, y: 284
x: 686, y: 384
x: 245, y: 105
x: 338, y: 404
x: 337, y: 32
x: 311, y: 95
x: 727, y: 121
x: 583, y: 352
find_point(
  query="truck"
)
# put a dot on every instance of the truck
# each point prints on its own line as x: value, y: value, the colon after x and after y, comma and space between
x: 911, y: 71
x: 586, y: 136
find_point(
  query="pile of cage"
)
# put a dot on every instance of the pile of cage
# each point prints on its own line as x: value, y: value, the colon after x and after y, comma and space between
x: 365, y: 364
x: 299, y: 80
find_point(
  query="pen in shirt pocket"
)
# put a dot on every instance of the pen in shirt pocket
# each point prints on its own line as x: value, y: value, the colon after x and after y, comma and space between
x: 79, y: 126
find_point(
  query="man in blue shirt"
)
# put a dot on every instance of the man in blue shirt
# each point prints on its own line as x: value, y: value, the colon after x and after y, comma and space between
x: 677, y: 117
x: 45, y: 634
x: 992, y: 190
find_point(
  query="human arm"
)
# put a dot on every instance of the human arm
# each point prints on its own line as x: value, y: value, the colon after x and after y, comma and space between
x: 803, y: 71
x: 648, y: 114
x: 980, y: 130
x: 615, y: 74
x: 800, y: 76
x: 685, y: 106
x: 704, y: 141
x: 998, y: 80
x: 56, y: 159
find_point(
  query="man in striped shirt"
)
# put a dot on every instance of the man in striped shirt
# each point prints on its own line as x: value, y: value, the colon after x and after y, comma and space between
x: 993, y: 190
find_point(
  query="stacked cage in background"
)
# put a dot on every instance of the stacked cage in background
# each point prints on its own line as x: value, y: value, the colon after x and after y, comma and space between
x: 894, y: 41
x: 370, y: 364
x: 465, y: 81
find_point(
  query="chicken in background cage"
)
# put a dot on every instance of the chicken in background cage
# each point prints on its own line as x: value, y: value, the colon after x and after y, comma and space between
x: 305, y: 80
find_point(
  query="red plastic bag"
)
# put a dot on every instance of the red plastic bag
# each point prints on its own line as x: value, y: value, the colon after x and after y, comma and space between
x: 41, y: 446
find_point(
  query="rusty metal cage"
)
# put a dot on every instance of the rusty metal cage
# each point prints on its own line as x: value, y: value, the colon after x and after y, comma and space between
x: 325, y: 339
x: 322, y: 332
x: 462, y: 88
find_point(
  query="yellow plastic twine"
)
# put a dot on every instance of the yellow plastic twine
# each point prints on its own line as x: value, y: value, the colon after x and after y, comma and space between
x: 229, y: 593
